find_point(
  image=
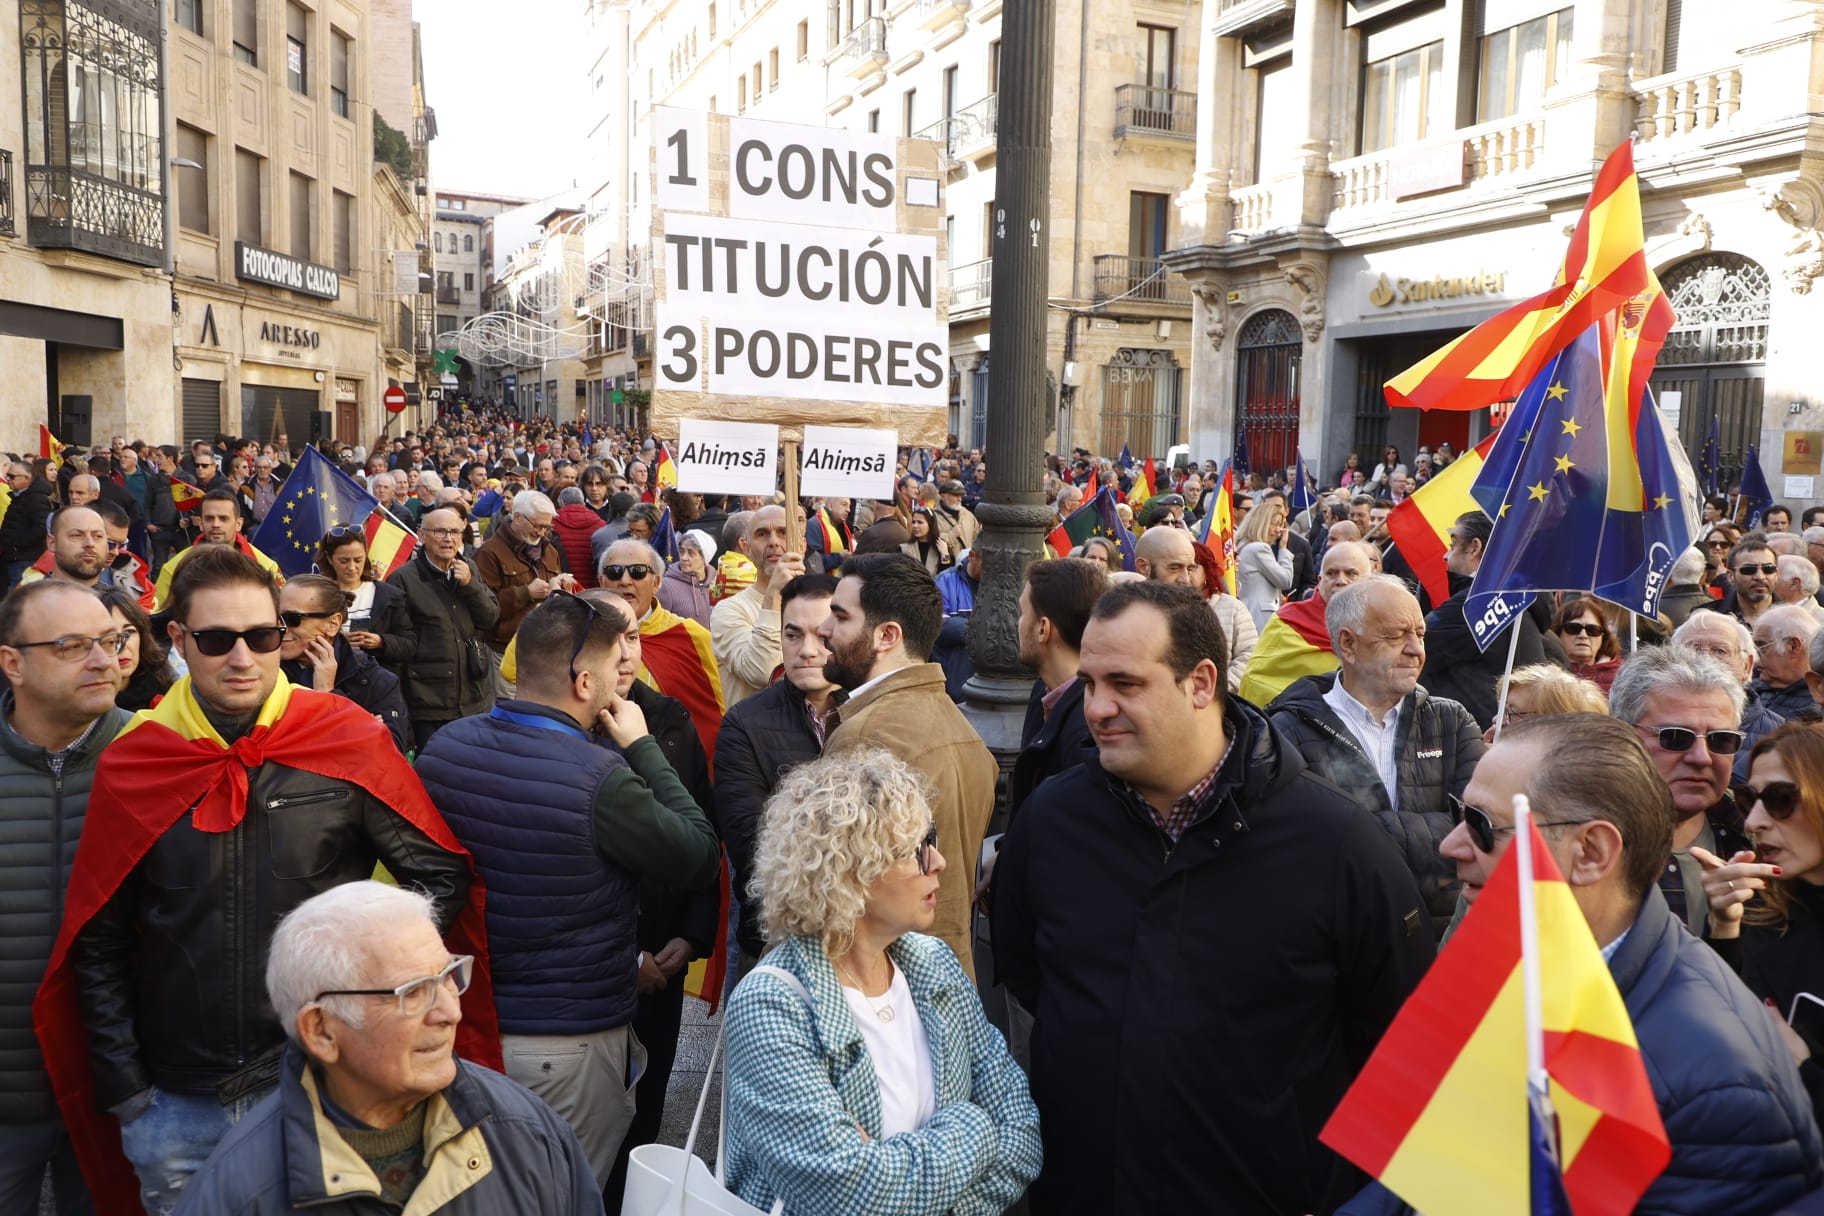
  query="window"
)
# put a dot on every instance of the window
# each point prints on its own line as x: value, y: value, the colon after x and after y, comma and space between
x: 741, y: 95
x: 1155, y: 65
x: 759, y: 82
x: 1146, y: 225
x: 1403, y: 98
x: 712, y: 21
x: 437, y: 242
x: 342, y: 214
x: 457, y: 204
x: 873, y: 122
x: 190, y: 15
x: 468, y: 242
x: 1281, y: 117
x: 950, y: 91
x: 247, y: 31
x: 303, y: 217
x: 192, y: 184
x: 804, y: 41
x: 910, y: 108
x: 297, y: 45
x: 994, y: 66
x: 249, y: 198
x: 772, y: 66
x: 338, y: 72
x: 445, y: 324
x: 1521, y: 62
x: 712, y: 104
x: 468, y: 282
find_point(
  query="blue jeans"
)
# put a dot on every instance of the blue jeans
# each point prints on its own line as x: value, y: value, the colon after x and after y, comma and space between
x: 172, y: 1139
x: 26, y: 1151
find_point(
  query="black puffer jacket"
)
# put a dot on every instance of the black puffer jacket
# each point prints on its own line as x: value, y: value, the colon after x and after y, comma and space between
x: 666, y: 912
x: 23, y: 527
x: 366, y: 683
x: 41, y: 816
x: 171, y: 972
x: 760, y: 738
x: 1437, y: 746
x: 447, y: 677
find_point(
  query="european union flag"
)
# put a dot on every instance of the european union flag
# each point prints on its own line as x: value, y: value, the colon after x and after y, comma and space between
x: 665, y: 537
x: 1300, y: 497
x: 1126, y: 459
x: 1756, y: 496
x: 1589, y: 508
x: 1497, y: 471
x: 315, y: 498
x: 1712, y: 462
x: 1240, y: 458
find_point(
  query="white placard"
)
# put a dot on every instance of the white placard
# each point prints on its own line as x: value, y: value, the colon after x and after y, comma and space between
x: 815, y: 361
x: 811, y: 175
x: 727, y: 457
x: 1800, y: 487
x: 680, y: 147
x: 1671, y: 402
x: 848, y: 462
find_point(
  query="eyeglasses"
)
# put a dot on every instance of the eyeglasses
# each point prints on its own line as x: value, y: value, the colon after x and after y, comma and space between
x: 582, y: 639
x: 1781, y: 798
x: 1719, y: 544
x: 1582, y: 628
x: 1483, y: 830
x: 444, y: 532
x: 75, y: 648
x: 215, y: 643
x: 416, y: 997
x: 293, y: 617
x: 1683, y: 738
x: 636, y: 572
x: 1752, y: 568
x: 925, y: 848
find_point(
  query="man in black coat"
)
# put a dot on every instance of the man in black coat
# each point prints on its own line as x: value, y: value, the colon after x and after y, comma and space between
x: 451, y: 674
x: 1054, y: 609
x: 1455, y: 667
x: 24, y: 527
x: 763, y: 735
x: 1211, y: 937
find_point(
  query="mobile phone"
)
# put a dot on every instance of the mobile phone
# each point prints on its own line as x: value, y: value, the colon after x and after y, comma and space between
x: 1806, y: 1015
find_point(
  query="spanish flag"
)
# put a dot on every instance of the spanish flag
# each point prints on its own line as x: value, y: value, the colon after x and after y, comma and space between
x: 1441, y: 1113
x: 666, y: 473
x: 50, y: 446
x: 185, y: 495
x: 1420, y: 525
x: 1219, y: 531
x: 1293, y: 645
x: 1604, y: 268
x: 389, y: 546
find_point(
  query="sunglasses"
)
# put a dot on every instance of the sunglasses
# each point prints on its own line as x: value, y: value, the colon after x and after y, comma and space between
x: 636, y: 572
x: 215, y: 643
x: 925, y: 848
x: 1483, y: 830
x: 1683, y: 738
x: 1781, y: 798
x: 1719, y: 544
x: 293, y: 617
x: 1751, y: 568
x: 343, y: 531
x: 1583, y: 628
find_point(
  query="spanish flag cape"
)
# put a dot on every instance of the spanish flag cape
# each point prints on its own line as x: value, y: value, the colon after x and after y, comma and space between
x: 1293, y: 645
x: 676, y: 659
x: 166, y: 762
x: 242, y: 545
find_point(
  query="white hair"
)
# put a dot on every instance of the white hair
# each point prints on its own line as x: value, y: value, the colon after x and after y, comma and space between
x: 1789, y: 621
x: 429, y: 481
x: 530, y: 503
x: 1801, y: 569
x: 1744, y: 636
x: 1675, y: 668
x: 1348, y: 608
x: 321, y: 945
x: 1689, y: 568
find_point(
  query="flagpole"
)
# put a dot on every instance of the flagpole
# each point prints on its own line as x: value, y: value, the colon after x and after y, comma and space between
x: 1538, y: 1081
x: 1513, y: 647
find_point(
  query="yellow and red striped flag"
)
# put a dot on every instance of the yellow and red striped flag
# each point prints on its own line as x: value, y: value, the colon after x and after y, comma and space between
x: 665, y: 472
x: 388, y: 545
x: 1441, y: 1113
x: 185, y: 495
x: 1219, y: 527
x: 49, y: 445
x: 1605, y: 267
x: 1294, y: 644
x: 1420, y: 525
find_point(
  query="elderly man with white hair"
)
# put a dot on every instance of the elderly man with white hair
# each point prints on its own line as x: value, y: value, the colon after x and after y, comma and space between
x: 1783, y: 636
x: 1797, y: 583
x: 374, y: 1110
x: 1685, y: 590
x: 1730, y: 643
x: 521, y: 564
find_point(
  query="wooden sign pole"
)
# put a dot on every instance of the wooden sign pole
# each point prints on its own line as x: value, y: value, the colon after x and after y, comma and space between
x: 794, y: 535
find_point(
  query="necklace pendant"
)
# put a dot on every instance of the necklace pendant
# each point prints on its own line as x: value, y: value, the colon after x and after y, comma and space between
x: 885, y: 1015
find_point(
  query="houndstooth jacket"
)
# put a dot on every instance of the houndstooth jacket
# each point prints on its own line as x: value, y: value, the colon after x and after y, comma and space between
x: 801, y: 1085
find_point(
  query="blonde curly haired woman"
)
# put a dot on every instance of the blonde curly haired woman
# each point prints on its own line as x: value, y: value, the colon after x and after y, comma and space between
x: 873, y: 1085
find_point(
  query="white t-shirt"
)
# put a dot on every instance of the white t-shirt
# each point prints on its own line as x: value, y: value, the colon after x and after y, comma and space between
x: 362, y: 610
x: 901, y: 1056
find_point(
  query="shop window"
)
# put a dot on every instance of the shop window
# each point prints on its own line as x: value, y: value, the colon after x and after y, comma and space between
x: 1142, y: 400
x: 1403, y: 98
x: 1520, y: 63
x: 297, y: 48
x: 249, y: 198
x: 338, y: 72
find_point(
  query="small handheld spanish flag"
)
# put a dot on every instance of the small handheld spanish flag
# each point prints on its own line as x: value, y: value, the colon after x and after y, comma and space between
x: 50, y: 446
x: 667, y: 472
x: 185, y: 495
x: 1442, y: 1114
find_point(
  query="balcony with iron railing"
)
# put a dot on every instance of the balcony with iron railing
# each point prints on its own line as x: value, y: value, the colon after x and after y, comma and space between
x: 449, y: 295
x: 1139, y: 281
x: 6, y: 194
x: 864, y: 51
x: 937, y: 15
x: 971, y: 286
x: 1148, y: 112
x: 967, y: 135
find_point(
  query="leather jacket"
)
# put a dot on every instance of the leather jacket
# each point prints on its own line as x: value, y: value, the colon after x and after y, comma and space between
x: 171, y: 972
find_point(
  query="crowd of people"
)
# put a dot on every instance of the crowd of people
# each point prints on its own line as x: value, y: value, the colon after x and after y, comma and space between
x: 354, y: 893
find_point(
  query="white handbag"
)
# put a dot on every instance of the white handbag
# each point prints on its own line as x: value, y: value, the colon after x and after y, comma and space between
x: 667, y: 1181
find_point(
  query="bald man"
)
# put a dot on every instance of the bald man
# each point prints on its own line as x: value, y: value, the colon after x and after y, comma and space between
x: 1165, y: 555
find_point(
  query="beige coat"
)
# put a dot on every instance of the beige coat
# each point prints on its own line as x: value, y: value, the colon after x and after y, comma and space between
x: 908, y: 714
